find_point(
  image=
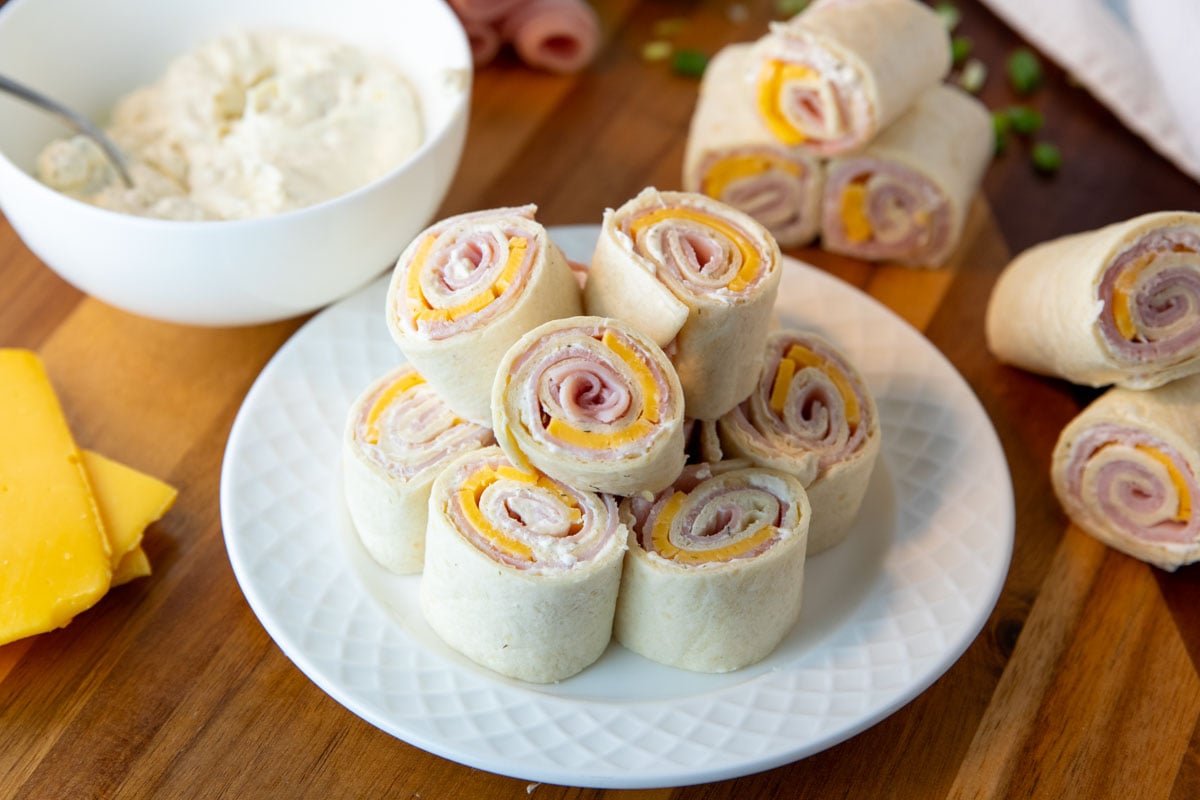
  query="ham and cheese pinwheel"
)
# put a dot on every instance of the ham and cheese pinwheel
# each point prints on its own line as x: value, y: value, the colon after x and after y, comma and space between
x: 521, y: 571
x: 813, y: 417
x: 700, y: 278
x: 906, y: 195
x: 593, y: 403
x: 398, y: 436
x: 1119, y: 305
x: 732, y: 157
x: 468, y: 287
x: 1125, y: 470
x: 837, y: 74
x: 714, y: 574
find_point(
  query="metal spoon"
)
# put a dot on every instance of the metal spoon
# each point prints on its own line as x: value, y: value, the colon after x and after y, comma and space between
x: 77, y: 121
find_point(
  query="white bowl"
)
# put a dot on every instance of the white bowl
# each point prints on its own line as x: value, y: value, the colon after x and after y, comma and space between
x: 89, y: 53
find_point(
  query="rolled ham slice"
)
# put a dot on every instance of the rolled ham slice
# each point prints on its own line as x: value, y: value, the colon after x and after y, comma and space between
x: 714, y: 575
x: 1125, y: 470
x: 813, y: 417
x: 555, y: 35
x: 485, y: 10
x: 521, y: 571
x: 905, y: 197
x: 834, y: 76
x: 1119, y: 305
x: 700, y: 278
x: 398, y: 436
x: 468, y: 287
x: 732, y: 157
x: 591, y: 402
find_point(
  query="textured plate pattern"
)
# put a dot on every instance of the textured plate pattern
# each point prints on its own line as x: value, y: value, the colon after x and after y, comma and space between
x: 885, y: 613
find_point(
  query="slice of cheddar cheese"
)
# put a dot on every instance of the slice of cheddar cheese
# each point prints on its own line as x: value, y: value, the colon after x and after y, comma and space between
x: 54, y: 555
x: 129, y: 501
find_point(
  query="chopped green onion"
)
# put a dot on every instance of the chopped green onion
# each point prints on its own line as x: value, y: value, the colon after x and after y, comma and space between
x: 1024, y: 119
x: 1024, y: 71
x: 666, y: 28
x: 1000, y: 127
x: 950, y: 15
x: 973, y: 76
x: 790, y: 8
x: 960, y: 48
x: 1046, y: 158
x: 656, y: 51
x: 689, y: 62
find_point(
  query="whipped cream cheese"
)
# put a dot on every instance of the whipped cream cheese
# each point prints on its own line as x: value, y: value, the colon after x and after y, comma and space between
x: 248, y: 125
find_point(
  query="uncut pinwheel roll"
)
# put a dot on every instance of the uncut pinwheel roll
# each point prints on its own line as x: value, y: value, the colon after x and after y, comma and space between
x: 521, y: 571
x: 811, y: 416
x: 398, y: 436
x: 700, y: 278
x: 714, y: 575
x: 468, y: 287
x: 591, y: 402
x: 1119, y: 305
x: 905, y: 196
x: 834, y: 76
x: 1125, y: 470
x: 732, y: 157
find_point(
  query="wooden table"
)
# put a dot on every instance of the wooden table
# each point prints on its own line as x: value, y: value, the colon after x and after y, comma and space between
x: 1083, y: 683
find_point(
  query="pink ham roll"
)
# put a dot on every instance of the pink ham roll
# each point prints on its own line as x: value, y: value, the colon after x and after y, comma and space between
x: 1125, y: 470
x: 593, y: 403
x: 555, y: 35
x: 484, y: 10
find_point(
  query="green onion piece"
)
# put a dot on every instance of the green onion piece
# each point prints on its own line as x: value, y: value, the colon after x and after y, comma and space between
x: 1024, y: 71
x: 1000, y: 127
x: 656, y: 51
x: 973, y: 76
x: 950, y: 15
x: 666, y: 28
x: 790, y: 8
x: 960, y: 48
x: 1024, y: 120
x: 689, y: 62
x: 1046, y: 158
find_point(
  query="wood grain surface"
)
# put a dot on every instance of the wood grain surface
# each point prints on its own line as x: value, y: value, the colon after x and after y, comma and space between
x: 1083, y: 683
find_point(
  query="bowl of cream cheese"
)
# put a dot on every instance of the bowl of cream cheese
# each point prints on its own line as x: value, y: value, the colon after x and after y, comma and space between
x: 282, y: 154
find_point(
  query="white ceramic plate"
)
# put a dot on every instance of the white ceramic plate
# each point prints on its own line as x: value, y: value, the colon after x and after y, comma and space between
x: 884, y: 615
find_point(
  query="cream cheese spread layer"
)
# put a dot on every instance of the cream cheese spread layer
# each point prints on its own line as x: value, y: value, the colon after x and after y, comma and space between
x: 248, y: 125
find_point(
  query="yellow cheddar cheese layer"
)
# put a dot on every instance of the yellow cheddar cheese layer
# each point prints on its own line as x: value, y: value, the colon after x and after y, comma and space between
x: 641, y: 427
x: 54, y: 556
x: 772, y: 79
x: 1123, y: 299
x: 385, y: 399
x: 751, y: 263
x: 660, y: 536
x: 129, y: 501
x: 423, y: 310
x: 1184, y: 512
x: 731, y: 168
x: 797, y: 358
x: 854, y: 212
x: 471, y: 491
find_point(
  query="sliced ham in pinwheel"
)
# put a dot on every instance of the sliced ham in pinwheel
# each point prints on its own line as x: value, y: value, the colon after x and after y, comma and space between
x: 714, y: 575
x: 834, y: 76
x: 593, y: 403
x: 905, y: 196
x: 468, y: 287
x: 399, y: 434
x: 1125, y: 470
x: 732, y: 157
x: 813, y: 417
x: 1119, y: 305
x: 521, y: 571
x: 700, y: 278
